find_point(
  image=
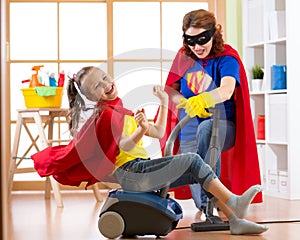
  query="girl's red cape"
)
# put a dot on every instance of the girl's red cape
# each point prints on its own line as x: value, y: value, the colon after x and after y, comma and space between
x: 91, y: 155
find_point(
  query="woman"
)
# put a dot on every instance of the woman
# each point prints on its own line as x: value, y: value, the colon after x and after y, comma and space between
x: 208, y: 73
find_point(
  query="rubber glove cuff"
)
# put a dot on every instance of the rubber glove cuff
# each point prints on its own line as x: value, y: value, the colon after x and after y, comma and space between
x: 208, y: 99
x: 182, y: 103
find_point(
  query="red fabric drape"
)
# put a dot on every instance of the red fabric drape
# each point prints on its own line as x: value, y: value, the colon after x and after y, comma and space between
x: 91, y: 155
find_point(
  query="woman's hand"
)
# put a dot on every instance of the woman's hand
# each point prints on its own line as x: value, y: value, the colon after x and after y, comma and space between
x: 197, y: 105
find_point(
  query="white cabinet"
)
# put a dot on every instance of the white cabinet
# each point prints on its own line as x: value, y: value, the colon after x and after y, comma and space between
x: 271, y: 40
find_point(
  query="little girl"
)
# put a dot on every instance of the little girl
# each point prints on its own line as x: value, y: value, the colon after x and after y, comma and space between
x: 114, y: 134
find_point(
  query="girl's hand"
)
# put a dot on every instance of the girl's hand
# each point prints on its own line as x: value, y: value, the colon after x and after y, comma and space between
x: 141, y: 119
x: 159, y: 92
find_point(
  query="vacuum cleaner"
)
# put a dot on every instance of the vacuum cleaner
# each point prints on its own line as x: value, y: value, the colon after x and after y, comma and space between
x: 130, y: 214
x: 155, y: 213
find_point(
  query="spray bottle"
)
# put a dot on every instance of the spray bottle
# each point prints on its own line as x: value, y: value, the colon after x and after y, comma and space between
x: 34, y: 82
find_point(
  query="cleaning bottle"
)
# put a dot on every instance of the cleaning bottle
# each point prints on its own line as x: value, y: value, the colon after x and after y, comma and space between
x: 44, y: 77
x: 52, y: 80
x: 34, y: 81
x: 61, y: 79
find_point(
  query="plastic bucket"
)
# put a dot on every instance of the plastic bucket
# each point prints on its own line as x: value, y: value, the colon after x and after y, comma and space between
x: 33, y: 100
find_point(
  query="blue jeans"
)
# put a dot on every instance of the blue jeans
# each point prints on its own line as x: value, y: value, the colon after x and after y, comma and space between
x: 200, y: 145
x: 141, y: 175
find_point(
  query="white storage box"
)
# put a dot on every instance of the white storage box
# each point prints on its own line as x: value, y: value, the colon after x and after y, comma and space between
x: 278, y: 118
x: 273, y: 181
x: 262, y: 164
x: 283, y: 181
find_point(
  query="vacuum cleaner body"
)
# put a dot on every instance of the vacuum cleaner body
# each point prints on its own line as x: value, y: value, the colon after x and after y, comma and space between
x: 130, y: 213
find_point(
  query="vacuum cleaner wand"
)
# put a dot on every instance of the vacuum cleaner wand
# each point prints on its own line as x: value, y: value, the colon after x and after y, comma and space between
x: 169, y: 148
x: 212, y: 223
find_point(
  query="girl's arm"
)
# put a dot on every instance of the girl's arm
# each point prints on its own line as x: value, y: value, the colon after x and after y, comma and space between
x: 144, y: 128
x: 157, y: 130
x: 174, y: 93
x: 127, y: 143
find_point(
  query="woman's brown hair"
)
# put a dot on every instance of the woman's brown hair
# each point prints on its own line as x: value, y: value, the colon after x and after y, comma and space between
x: 203, y: 19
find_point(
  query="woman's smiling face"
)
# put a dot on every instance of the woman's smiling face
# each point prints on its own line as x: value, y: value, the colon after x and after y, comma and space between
x: 98, y: 86
x: 201, y: 51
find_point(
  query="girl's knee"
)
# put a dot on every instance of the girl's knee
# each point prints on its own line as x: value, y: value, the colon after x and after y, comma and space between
x: 195, y: 156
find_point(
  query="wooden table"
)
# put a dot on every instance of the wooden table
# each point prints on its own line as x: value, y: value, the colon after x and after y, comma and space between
x: 43, y: 118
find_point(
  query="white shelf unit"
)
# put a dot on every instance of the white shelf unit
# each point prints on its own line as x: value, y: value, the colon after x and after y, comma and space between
x: 270, y: 38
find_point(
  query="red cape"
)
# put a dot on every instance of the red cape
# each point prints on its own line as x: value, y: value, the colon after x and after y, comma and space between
x: 91, y: 155
x: 240, y: 165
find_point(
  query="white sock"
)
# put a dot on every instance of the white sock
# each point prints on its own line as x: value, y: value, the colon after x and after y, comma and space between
x: 240, y: 204
x: 241, y: 226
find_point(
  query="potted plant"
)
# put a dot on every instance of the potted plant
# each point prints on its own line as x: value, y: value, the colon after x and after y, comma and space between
x: 257, y: 78
x: 257, y: 72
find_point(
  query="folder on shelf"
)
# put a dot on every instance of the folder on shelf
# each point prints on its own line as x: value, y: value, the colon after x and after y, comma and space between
x: 277, y: 25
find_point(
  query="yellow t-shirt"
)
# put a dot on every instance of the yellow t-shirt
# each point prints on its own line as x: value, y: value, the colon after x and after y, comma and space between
x: 130, y: 125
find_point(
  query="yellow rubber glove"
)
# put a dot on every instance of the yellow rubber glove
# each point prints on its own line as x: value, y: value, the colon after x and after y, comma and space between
x: 197, y: 105
x: 182, y: 103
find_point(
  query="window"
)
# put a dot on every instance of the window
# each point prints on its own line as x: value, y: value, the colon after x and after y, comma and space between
x: 64, y: 36
x: 137, y: 50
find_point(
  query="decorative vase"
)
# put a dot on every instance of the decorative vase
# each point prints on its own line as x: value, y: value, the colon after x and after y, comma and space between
x: 257, y: 85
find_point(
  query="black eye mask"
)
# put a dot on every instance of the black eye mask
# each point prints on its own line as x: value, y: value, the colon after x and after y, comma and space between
x: 200, y: 39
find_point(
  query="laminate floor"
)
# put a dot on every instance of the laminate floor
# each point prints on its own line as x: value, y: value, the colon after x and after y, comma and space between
x: 32, y: 217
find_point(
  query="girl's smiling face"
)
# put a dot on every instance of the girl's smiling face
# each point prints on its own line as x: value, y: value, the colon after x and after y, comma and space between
x: 98, y: 86
x: 201, y: 51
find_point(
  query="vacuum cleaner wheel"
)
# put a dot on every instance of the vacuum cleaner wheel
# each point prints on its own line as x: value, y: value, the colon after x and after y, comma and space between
x: 111, y: 224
